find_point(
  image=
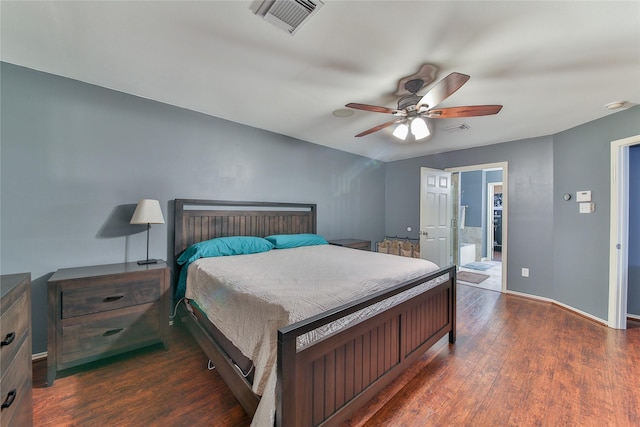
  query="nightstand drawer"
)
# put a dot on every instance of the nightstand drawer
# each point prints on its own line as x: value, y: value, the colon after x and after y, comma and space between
x: 15, y: 386
x: 102, y: 310
x: 108, y: 295
x: 102, y: 334
x: 14, y: 326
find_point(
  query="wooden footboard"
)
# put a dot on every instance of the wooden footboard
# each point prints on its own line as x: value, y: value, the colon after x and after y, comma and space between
x: 324, y: 383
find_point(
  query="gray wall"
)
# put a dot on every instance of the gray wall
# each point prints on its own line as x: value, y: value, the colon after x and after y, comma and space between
x: 581, y: 241
x: 567, y: 253
x: 530, y: 203
x: 633, y: 297
x: 472, y: 195
x: 76, y: 158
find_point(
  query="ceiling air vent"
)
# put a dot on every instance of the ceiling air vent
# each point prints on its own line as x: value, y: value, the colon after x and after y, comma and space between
x: 288, y: 15
x: 457, y: 128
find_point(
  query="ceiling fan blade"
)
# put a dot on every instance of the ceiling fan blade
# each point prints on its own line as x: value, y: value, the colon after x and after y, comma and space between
x: 444, y: 89
x: 377, y: 128
x: 373, y: 108
x: 468, y: 111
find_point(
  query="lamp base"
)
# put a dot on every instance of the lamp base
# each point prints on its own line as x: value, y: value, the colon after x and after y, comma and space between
x: 147, y: 261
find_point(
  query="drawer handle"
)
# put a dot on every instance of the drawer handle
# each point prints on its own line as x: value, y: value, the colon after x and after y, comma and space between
x: 9, y: 339
x: 11, y: 396
x: 113, y: 298
x: 112, y: 332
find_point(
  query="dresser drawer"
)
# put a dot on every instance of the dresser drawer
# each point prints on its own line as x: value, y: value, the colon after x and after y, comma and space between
x: 103, y: 334
x: 110, y: 294
x: 364, y: 245
x: 15, y: 387
x: 14, y: 327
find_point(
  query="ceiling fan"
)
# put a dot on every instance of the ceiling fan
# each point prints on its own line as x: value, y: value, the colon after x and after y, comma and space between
x: 413, y: 108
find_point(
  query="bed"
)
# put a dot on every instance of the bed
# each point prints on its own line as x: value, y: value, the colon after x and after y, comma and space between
x: 317, y: 379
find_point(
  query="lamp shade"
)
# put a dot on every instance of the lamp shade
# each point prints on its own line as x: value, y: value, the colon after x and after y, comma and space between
x: 419, y: 128
x: 401, y: 131
x: 147, y: 212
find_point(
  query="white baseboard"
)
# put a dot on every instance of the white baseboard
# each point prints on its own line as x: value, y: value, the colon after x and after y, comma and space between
x: 633, y: 316
x: 536, y: 297
x: 568, y: 307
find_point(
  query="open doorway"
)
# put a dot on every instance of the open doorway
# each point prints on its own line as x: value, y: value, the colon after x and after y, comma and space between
x: 620, y: 265
x: 479, y: 237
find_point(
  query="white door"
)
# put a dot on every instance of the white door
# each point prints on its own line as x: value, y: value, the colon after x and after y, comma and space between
x: 435, y: 216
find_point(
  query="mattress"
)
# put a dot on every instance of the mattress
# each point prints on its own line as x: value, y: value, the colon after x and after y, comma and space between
x: 249, y: 297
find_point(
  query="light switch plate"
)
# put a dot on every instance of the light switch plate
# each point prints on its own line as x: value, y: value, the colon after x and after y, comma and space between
x: 583, y: 196
x: 587, y: 207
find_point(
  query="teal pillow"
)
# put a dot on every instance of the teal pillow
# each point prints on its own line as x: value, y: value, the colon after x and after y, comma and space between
x: 222, y: 246
x: 286, y: 241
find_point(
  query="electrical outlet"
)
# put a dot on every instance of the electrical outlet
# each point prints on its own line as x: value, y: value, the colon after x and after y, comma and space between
x: 525, y: 272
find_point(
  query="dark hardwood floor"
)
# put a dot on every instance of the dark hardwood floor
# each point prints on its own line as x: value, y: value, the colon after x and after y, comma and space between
x: 517, y: 362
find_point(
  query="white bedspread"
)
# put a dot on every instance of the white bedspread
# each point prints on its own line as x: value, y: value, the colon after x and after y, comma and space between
x: 249, y: 297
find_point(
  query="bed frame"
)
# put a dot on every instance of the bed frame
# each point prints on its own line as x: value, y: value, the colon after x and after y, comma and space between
x: 324, y: 383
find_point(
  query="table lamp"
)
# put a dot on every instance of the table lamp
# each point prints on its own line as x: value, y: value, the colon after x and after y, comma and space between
x: 147, y: 212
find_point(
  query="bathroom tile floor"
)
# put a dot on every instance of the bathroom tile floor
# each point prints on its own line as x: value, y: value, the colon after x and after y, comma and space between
x: 493, y: 283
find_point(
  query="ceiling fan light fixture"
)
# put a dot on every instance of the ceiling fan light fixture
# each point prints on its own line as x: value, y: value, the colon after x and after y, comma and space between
x: 419, y: 128
x: 401, y: 131
x: 414, y: 110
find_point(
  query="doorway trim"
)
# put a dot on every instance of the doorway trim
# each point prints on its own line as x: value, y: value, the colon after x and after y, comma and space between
x: 619, y: 232
x: 505, y: 208
x: 491, y: 191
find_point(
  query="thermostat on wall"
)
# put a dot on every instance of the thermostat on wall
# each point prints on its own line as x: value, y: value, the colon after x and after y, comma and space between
x: 583, y: 196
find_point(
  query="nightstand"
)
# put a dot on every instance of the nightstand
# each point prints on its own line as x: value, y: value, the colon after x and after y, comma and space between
x: 104, y: 310
x: 15, y: 350
x: 364, y: 245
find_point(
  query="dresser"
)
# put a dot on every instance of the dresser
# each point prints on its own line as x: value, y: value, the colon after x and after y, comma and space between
x: 15, y: 350
x: 364, y: 245
x: 104, y: 310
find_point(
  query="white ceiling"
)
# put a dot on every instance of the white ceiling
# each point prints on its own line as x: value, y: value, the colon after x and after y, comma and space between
x: 552, y: 64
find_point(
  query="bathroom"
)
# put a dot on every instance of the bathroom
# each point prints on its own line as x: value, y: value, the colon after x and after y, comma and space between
x: 480, y: 222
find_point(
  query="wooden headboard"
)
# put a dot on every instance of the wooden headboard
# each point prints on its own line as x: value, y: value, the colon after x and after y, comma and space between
x: 198, y: 220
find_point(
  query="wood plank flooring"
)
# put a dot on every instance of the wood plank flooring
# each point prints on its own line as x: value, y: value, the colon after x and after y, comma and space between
x: 516, y: 362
